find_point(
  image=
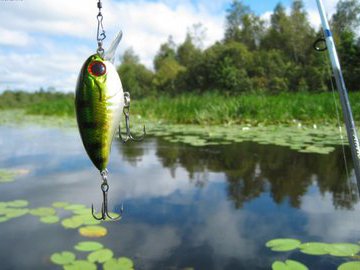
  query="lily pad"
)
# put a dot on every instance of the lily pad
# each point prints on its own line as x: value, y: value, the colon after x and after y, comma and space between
x: 72, y: 207
x: 100, y: 256
x: 43, y: 211
x: 13, y: 213
x: 288, y: 265
x: 60, y: 204
x: 283, y: 244
x: 63, y: 258
x: 93, y: 231
x: 4, y: 219
x: 3, y: 204
x: 80, y: 265
x: 122, y: 263
x: 343, y: 249
x: 87, y: 219
x: 82, y: 211
x: 314, y: 248
x: 88, y: 246
x: 50, y: 219
x: 72, y: 223
x: 6, y: 176
x: 18, y: 203
x: 350, y: 266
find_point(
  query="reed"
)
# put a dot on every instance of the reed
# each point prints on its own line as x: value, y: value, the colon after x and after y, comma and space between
x: 216, y: 108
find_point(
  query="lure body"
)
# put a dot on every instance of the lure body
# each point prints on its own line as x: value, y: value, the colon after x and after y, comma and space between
x: 99, y: 102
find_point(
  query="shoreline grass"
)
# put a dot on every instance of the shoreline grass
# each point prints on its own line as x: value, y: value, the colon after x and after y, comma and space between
x: 215, y: 108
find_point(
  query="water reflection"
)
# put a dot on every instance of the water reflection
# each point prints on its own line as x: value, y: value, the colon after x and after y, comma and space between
x: 200, y: 207
x: 252, y: 169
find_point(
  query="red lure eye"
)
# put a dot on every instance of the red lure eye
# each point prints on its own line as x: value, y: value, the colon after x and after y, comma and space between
x: 97, y: 68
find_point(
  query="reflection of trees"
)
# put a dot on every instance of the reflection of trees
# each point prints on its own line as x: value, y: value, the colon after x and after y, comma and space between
x: 132, y: 152
x: 252, y: 169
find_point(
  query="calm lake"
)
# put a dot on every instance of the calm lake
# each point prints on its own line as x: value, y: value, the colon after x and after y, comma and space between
x: 185, y: 207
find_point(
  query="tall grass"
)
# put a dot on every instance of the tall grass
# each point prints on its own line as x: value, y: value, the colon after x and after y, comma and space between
x: 213, y: 108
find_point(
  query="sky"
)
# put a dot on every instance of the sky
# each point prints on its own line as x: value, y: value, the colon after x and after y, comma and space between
x: 43, y: 43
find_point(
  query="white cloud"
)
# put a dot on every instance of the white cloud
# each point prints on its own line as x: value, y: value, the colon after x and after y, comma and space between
x: 45, y: 28
x: 328, y: 223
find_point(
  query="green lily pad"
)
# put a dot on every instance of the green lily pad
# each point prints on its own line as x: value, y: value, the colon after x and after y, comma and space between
x: 3, y: 204
x: 93, y: 231
x: 6, y: 176
x: 72, y: 223
x: 63, y: 258
x: 5, y: 211
x: 18, y: 203
x: 4, y: 219
x: 80, y: 265
x: 87, y: 219
x: 314, y: 248
x: 82, y: 211
x: 50, y: 219
x: 283, y: 244
x: 72, y: 207
x: 60, y: 204
x: 88, y: 246
x: 13, y: 213
x: 43, y: 211
x: 350, y: 266
x: 100, y: 256
x: 343, y: 249
x: 122, y: 263
x: 288, y: 265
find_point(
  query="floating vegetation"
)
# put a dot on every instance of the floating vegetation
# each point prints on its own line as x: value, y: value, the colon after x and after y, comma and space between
x: 122, y: 263
x: 284, y: 244
x: 302, y: 139
x: 80, y: 265
x: 72, y: 207
x: 17, y: 203
x: 93, y: 231
x: 50, y: 219
x: 314, y: 248
x: 60, y: 204
x: 62, y: 258
x: 13, y: 209
x: 350, y: 266
x: 288, y: 265
x: 43, y: 211
x: 88, y: 246
x: 7, y: 176
x: 100, y: 256
x: 97, y: 255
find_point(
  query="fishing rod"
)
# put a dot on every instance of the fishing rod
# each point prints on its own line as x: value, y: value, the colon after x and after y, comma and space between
x: 344, y: 98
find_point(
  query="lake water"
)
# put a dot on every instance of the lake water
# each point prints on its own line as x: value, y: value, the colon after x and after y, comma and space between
x: 186, y: 207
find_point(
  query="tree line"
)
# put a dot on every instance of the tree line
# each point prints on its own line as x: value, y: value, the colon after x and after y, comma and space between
x: 254, y: 55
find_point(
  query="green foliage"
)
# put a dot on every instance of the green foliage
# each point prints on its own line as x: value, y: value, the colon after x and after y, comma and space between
x: 135, y: 77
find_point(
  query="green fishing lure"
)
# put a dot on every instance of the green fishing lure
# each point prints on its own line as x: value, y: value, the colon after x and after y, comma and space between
x: 99, y: 104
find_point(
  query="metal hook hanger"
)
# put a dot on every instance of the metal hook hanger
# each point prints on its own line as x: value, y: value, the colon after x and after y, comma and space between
x: 126, y: 112
x: 104, y: 206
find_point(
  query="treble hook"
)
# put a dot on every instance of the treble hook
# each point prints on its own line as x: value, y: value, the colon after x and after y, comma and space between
x: 104, y: 207
x: 126, y: 111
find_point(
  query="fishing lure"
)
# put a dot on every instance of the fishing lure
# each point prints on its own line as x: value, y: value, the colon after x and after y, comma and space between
x: 99, y: 104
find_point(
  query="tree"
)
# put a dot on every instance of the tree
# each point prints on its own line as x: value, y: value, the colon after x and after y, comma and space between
x: 347, y: 16
x: 243, y: 25
x: 277, y: 34
x: 345, y: 23
x: 167, y: 51
x: 135, y: 77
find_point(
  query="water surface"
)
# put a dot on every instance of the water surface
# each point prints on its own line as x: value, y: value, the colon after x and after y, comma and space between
x: 186, y: 207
